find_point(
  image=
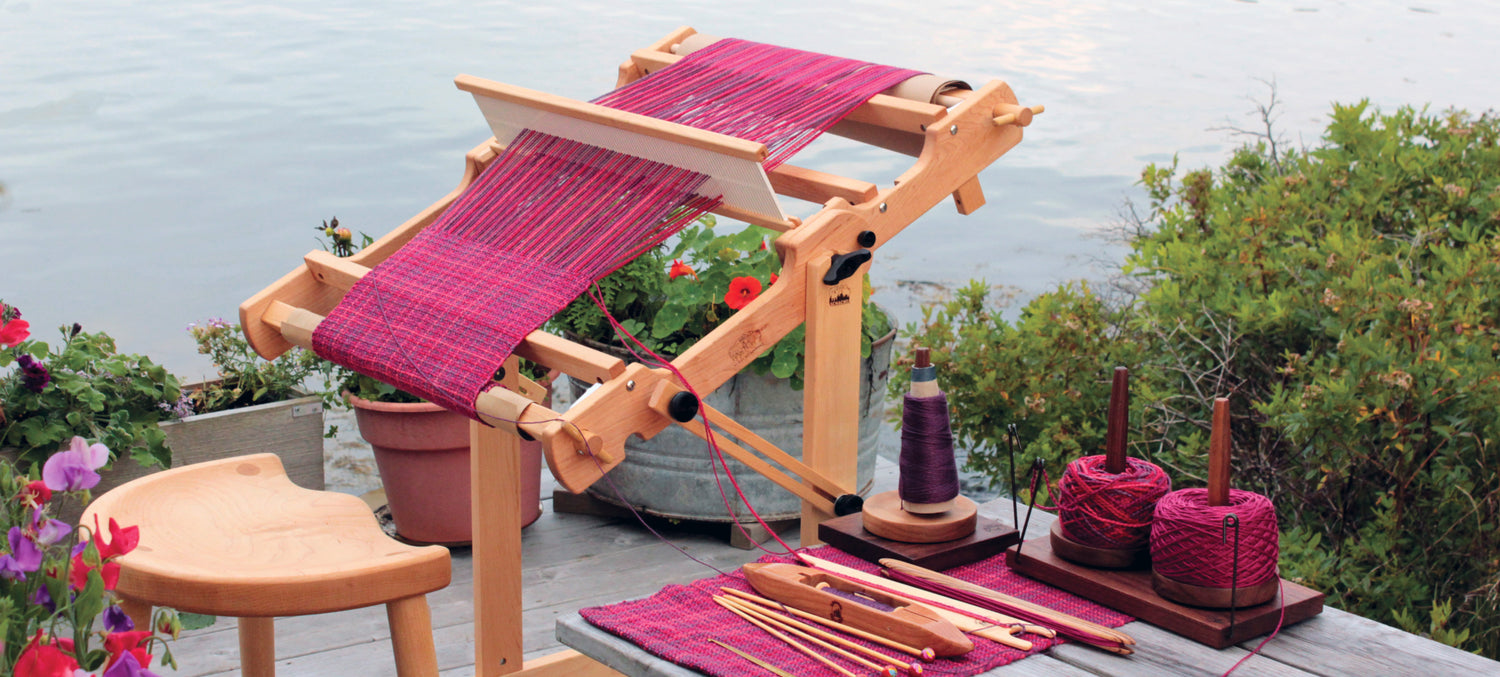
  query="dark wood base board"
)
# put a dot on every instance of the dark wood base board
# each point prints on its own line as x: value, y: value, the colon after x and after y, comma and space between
x: 848, y: 533
x: 1130, y: 592
x: 1098, y: 558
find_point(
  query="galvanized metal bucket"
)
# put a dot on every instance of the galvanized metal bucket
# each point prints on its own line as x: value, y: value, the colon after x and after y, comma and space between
x: 673, y: 474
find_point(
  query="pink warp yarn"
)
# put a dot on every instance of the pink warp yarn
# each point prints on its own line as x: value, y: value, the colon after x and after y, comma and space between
x: 1105, y: 510
x: 1189, y: 543
x: 551, y: 216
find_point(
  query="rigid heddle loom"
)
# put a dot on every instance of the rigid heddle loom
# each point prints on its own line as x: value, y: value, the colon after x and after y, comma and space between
x: 567, y: 192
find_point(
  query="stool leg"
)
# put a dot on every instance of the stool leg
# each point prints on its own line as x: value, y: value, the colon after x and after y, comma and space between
x: 257, y: 647
x: 411, y: 637
x: 139, y: 613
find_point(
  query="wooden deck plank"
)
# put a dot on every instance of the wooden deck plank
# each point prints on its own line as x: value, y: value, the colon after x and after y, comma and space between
x: 1159, y: 652
x: 1340, y: 643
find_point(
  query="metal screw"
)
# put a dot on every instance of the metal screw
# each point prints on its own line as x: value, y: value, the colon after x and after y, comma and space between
x: 953, y: 130
x: 630, y: 385
x: 882, y: 208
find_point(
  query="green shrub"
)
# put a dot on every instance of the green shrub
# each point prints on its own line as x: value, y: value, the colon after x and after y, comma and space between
x: 1343, y: 297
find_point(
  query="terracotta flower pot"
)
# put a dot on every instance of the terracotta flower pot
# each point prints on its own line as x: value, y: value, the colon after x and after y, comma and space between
x: 422, y: 451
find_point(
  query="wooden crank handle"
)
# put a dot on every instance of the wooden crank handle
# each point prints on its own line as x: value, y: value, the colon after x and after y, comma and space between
x: 507, y: 409
x: 1019, y: 116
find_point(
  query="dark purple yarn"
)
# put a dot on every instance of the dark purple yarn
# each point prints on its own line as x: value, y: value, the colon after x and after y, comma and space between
x: 929, y: 473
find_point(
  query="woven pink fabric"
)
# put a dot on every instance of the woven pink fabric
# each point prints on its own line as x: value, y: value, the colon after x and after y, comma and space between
x: 677, y: 623
x: 551, y: 216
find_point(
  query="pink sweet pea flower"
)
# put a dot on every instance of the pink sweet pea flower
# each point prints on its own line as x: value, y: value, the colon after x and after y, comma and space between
x: 73, y: 470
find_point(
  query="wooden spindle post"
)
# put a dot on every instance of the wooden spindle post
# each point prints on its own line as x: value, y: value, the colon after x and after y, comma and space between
x: 1119, y: 422
x: 1218, y: 455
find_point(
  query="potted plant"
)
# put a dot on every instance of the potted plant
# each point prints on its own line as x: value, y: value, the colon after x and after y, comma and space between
x: 669, y: 298
x: 85, y: 388
x: 253, y: 405
x: 420, y: 448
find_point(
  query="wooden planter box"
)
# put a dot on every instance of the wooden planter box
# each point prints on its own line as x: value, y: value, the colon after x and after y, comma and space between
x: 291, y: 429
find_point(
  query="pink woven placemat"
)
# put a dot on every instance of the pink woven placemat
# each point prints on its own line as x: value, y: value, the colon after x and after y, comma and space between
x: 677, y: 623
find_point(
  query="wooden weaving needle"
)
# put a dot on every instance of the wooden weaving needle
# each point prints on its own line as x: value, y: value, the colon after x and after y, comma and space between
x: 768, y: 667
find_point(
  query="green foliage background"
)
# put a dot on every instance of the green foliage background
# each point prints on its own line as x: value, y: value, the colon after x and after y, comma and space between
x: 1344, y: 298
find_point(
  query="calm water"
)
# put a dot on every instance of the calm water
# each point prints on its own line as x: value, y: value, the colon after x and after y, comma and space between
x: 164, y: 160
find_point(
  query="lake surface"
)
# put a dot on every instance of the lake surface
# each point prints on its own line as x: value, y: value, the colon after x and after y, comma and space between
x: 164, y: 160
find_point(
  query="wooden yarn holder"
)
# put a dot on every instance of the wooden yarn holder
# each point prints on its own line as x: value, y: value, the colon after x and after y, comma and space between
x: 884, y: 517
x: 954, y: 134
x: 1218, y: 495
x: 1115, y: 463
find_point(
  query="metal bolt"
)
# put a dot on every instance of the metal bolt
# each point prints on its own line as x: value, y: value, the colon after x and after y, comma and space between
x: 953, y: 130
x: 630, y: 385
x: 882, y: 208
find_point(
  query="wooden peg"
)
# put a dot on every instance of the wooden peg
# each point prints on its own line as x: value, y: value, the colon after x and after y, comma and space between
x: 1020, y: 117
x: 1218, y: 455
x: 969, y: 197
x: 1119, y: 423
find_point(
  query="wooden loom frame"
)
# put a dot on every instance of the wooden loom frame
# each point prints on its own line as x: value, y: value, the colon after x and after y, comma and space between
x: 951, y: 145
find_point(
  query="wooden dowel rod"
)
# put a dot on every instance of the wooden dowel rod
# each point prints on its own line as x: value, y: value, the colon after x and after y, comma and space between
x: 924, y: 654
x: 1218, y: 455
x: 1119, y: 422
x: 796, y: 628
x: 777, y: 634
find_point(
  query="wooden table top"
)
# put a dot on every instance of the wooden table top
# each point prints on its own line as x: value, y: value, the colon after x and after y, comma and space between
x: 1332, y: 643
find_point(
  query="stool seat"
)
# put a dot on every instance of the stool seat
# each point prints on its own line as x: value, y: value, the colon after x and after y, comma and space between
x: 237, y: 538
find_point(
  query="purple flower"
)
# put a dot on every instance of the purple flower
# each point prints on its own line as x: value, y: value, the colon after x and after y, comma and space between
x: 48, y: 531
x: 34, y: 374
x: 73, y: 470
x: 43, y: 599
x: 127, y: 666
x: 24, y: 556
x: 116, y: 620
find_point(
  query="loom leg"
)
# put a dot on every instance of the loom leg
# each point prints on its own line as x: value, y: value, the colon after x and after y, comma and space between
x: 495, y: 465
x: 830, y: 404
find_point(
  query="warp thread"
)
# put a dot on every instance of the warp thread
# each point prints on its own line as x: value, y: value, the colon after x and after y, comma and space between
x: 1106, y: 510
x: 929, y: 472
x: 550, y: 216
x: 1189, y: 543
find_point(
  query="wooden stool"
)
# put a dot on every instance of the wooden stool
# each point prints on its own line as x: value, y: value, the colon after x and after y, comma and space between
x: 237, y: 538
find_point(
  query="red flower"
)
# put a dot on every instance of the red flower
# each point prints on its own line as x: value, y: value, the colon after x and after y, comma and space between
x: 14, y: 330
x: 742, y: 290
x: 774, y: 278
x: 45, y: 660
x: 120, y: 643
x: 35, y: 494
x: 121, y: 541
x: 679, y: 269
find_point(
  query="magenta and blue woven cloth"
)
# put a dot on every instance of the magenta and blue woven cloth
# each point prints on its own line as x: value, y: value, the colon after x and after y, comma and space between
x: 677, y: 623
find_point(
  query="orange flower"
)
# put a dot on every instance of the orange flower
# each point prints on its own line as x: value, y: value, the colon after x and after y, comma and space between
x: 742, y: 290
x: 679, y: 269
